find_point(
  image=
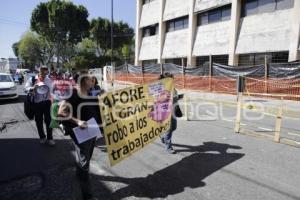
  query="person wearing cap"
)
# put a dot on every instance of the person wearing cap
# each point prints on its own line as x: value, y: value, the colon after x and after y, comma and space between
x: 41, y: 87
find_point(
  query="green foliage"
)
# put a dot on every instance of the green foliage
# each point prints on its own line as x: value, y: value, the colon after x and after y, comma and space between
x: 86, y: 46
x: 15, y: 48
x: 101, y: 34
x: 30, y: 49
x: 62, y: 24
x: 125, y: 52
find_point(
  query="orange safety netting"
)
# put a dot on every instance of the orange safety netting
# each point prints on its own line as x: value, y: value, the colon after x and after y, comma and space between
x: 260, y: 87
x: 288, y: 89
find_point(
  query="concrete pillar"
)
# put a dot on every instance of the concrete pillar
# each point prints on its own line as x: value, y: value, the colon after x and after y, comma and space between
x: 294, y: 52
x: 191, y: 61
x: 234, y: 27
x: 138, y: 32
x: 161, y: 31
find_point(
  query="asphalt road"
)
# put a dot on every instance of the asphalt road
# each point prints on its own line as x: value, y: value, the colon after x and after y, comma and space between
x: 212, y: 163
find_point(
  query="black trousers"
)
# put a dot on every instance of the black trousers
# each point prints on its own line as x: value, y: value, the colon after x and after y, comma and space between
x: 84, y: 152
x: 42, y: 113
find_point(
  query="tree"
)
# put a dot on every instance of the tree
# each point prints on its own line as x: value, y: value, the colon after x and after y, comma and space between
x: 30, y: 49
x: 62, y: 24
x: 101, y: 35
x: 15, y: 48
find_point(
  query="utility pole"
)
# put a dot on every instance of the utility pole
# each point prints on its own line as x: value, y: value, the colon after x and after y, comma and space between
x: 112, y: 41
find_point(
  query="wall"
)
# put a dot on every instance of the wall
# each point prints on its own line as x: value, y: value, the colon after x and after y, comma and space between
x: 264, y: 32
x: 150, y: 13
x: 176, y: 44
x: 212, y: 39
x: 149, y: 48
x: 175, y: 9
x: 202, y: 5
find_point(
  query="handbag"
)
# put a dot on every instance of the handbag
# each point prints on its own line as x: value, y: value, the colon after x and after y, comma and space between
x: 29, y: 106
x: 178, y: 112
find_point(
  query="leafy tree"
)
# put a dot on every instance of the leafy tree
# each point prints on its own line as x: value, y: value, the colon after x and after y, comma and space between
x: 101, y: 34
x: 126, y: 52
x: 62, y: 24
x: 15, y: 48
x: 30, y: 49
x: 87, y: 46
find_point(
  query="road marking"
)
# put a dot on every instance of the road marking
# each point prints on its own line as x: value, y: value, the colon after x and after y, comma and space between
x: 231, y: 120
x: 266, y: 129
x: 294, y: 134
x: 228, y: 120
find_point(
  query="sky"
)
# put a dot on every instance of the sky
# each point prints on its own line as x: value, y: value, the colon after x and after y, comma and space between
x: 15, y: 17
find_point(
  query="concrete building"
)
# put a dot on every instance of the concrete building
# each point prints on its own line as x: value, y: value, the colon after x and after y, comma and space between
x: 234, y: 32
x: 9, y: 65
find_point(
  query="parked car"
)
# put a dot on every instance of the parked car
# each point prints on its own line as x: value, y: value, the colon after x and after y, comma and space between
x: 8, y: 88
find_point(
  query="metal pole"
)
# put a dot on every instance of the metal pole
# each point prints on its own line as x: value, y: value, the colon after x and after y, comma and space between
x: 112, y: 38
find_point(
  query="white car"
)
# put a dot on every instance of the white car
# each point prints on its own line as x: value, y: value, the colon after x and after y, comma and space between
x: 8, y: 88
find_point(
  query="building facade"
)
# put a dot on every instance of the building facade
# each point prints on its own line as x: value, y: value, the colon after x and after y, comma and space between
x: 233, y: 32
x: 9, y: 65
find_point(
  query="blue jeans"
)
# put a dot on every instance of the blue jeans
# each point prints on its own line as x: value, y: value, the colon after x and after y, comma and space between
x: 168, y: 139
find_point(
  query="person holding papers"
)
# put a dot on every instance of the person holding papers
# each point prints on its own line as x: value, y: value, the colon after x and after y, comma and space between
x: 79, y: 112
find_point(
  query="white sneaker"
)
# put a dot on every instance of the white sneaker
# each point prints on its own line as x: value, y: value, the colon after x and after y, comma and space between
x: 43, y: 141
x: 51, y: 142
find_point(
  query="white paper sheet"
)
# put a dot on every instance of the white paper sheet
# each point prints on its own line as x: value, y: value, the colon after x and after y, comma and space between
x: 88, y: 133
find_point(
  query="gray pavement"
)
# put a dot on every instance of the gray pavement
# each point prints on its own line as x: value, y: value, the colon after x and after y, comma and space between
x: 212, y: 163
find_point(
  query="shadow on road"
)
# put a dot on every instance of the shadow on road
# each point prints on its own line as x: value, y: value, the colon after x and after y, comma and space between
x: 31, y: 171
x: 188, y: 172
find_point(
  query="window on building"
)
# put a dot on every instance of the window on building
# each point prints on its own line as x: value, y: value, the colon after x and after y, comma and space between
x: 147, y: 1
x: 202, y: 61
x: 215, y: 15
x: 150, y: 30
x: 148, y: 62
x: 203, y: 19
x: 178, y: 24
x: 226, y: 13
x: 284, y: 4
x: 220, y: 59
x: 279, y: 57
x: 177, y: 61
x: 266, y: 6
x: 251, y: 7
x: 259, y: 58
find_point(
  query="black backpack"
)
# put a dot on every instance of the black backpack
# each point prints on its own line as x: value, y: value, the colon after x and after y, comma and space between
x: 29, y: 103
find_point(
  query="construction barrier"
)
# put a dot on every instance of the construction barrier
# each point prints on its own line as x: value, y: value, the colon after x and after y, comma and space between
x: 274, y: 81
x: 282, y: 110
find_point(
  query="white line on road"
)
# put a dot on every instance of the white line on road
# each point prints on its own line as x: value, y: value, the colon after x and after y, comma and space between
x: 266, y: 129
x: 294, y: 134
x: 231, y: 120
x: 228, y: 120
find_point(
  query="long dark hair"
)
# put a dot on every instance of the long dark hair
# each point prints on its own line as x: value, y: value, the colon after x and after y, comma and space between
x: 82, y: 78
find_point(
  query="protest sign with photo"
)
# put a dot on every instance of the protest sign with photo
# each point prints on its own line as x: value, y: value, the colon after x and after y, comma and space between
x: 134, y: 117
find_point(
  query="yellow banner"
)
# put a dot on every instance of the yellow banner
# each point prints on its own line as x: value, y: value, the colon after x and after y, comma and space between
x: 135, y: 116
